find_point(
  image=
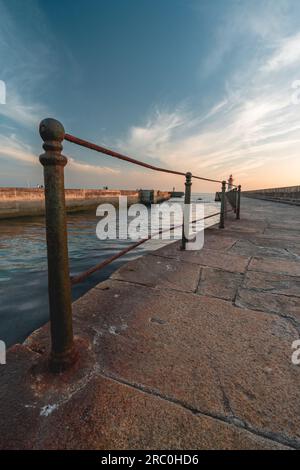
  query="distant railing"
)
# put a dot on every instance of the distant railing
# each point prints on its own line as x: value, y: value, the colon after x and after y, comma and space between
x: 63, y: 351
x: 287, y: 194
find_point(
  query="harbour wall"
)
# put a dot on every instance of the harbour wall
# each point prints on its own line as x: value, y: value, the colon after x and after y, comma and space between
x: 288, y: 195
x: 28, y: 202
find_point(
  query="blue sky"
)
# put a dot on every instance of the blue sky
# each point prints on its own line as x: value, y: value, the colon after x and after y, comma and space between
x: 199, y: 85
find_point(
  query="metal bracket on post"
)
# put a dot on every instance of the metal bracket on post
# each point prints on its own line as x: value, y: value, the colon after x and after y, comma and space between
x: 63, y: 353
x: 222, y: 213
x: 238, y: 207
x: 186, y: 209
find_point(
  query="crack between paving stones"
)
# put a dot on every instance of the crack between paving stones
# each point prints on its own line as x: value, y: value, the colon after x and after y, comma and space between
x: 157, y: 287
x: 269, y: 272
x: 243, y: 281
x: 291, y: 253
x: 272, y: 291
x: 279, y: 439
x: 199, y: 281
x: 289, y: 319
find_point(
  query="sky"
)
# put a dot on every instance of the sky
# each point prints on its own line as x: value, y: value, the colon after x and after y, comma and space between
x: 207, y: 86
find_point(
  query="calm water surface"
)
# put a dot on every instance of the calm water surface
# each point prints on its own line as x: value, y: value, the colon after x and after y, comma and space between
x: 23, y: 265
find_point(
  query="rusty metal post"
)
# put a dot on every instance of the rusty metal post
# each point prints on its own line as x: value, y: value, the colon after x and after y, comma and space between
x: 222, y: 213
x: 235, y: 200
x: 63, y: 352
x: 238, y: 207
x: 186, y: 208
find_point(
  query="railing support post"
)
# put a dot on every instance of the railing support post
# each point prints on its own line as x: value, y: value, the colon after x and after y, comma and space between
x: 186, y: 208
x: 235, y: 200
x: 238, y: 202
x: 63, y: 352
x: 222, y: 213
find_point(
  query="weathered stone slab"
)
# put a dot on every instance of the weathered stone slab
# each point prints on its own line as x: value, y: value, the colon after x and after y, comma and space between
x: 285, y: 225
x: 273, y: 283
x: 260, y: 249
x: 218, y: 283
x: 206, y: 257
x: 213, y: 242
x: 158, y: 271
x: 284, y: 234
x: 229, y: 232
x: 294, y: 249
x: 246, y: 227
x: 292, y: 268
x: 288, y: 245
x: 108, y: 416
x: 266, y: 302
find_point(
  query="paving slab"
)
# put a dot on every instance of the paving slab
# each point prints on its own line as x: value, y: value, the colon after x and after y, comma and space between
x: 155, y: 270
x: 285, y: 226
x: 213, y: 242
x: 266, y: 302
x: 273, y: 265
x: 206, y: 257
x: 283, y: 233
x: 289, y: 246
x: 272, y: 283
x: 105, y: 411
x: 260, y: 248
x: 220, y: 284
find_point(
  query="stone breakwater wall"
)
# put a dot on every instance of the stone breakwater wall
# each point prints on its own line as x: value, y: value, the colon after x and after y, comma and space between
x: 22, y: 202
x: 288, y: 195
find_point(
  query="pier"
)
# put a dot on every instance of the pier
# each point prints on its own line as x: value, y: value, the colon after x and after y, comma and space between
x: 177, y: 350
x: 30, y: 202
x: 287, y: 195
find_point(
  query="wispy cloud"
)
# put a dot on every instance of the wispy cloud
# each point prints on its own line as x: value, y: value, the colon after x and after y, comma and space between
x: 287, y: 54
x: 24, y: 74
x: 87, y: 168
x: 21, y: 69
x: 253, y: 126
x: 12, y: 148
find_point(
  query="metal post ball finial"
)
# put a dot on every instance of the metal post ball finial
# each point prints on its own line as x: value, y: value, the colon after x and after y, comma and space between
x: 51, y: 130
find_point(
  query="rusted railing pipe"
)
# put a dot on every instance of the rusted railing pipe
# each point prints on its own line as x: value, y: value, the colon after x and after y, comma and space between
x: 84, y: 275
x: 222, y: 213
x: 238, y: 206
x: 63, y: 352
x: 186, y: 209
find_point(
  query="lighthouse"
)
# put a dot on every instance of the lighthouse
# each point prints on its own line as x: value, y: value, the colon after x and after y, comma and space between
x: 230, y: 183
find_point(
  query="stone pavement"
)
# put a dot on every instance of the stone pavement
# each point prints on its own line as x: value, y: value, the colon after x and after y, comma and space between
x: 178, y: 350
